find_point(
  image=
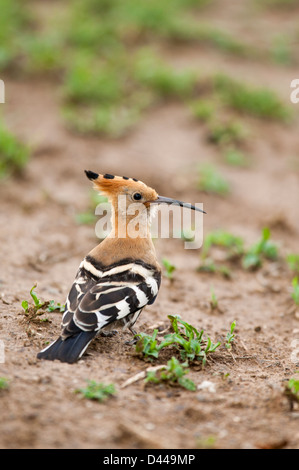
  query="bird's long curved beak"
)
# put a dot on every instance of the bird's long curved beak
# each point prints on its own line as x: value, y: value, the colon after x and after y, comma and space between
x: 168, y: 200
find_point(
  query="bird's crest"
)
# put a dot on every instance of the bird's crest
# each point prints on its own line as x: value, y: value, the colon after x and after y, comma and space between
x: 112, y: 185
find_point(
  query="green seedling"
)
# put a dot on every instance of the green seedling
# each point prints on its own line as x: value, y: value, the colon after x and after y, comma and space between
x: 223, y: 41
x: 295, y: 293
x: 4, y: 383
x: 203, y: 110
x: 14, y: 154
x: 235, y: 157
x: 163, y: 80
x: 224, y: 134
x: 250, y: 259
x: 97, y: 391
x: 293, y: 262
x: 264, y: 248
x: 185, y: 338
x: 206, y: 442
x: 110, y: 120
x: 33, y: 312
x: 14, y: 21
x: 292, y: 391
x: 233, y: 244
x: 169, y: 268
x: 42, y: 56
x: 55, y: 307
x: 259, y: 102
x: 38, y: 304
x: 209, y: 266
x: 147, y: 345
x: 188, y: 340
x: 230, y: 336
x: 174, y: 373
x: 293, y: 386
x: 211, y: 181
x: 213, y: 300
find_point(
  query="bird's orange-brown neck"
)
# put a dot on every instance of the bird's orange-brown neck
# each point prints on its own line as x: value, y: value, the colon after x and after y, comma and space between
x: 130, y: 237
x: 113, y: 249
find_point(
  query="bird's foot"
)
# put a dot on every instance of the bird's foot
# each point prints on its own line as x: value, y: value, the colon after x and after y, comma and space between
x: 134, y: 340
x: 108, y: 334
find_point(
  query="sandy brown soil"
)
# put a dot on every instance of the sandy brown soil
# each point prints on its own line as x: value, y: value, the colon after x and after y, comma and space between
x: 40, y: 241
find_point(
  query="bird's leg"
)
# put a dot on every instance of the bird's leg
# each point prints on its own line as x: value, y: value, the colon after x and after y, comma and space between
x: 134, y: 333
x: 129, y: 322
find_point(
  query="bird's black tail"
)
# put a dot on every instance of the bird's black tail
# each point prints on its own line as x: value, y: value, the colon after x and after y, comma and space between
x: 69, y: 349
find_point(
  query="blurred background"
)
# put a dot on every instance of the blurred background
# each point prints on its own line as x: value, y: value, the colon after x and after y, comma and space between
x: 193, y: 98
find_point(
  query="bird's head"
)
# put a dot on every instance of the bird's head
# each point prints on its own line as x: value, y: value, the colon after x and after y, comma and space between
x: 135, y: 191
x: 130, y: 189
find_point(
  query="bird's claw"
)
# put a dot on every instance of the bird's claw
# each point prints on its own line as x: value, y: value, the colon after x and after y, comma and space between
x: 132, y: 342
x: 108, y: 334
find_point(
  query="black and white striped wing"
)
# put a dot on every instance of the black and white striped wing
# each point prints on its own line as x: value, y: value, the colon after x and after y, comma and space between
x: 100, y: 296
x: 106, y: 303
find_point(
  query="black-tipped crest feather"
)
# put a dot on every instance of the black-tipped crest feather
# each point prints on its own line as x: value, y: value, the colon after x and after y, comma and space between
x: 91, y: 175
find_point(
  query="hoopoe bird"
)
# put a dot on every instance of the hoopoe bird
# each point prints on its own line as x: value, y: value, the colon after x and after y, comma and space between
x: 117, y: 278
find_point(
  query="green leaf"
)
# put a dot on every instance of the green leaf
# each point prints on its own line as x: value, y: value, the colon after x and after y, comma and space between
x: 251, y: 261
x: 169, y: 268
x: 97, y: 391
x: 25, y: 305
x: 38, y: 304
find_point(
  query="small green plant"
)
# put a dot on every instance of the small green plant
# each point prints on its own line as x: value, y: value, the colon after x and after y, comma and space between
x: 203, y: 110
x: 97, y: 391
x: 233, y: 244
x: 4, y: 383
x: 213, y: 300
x: 13, y: 154
x: 206, y: 442
x: 264, y: 248
x: 209, y: 266
x: 292, y: 390
x: 293, y: 386
x: 14, y: 20
x: 228, y: 133
x: 189, y: 341
x: 43, y: 56
x: 55, y: 307
x: 150, y: 72
x: 293, y: 262
x: 147, y: 345
x: 295, y: 293
x: 259, y: 102
x: 185, y: 338
x: 33, y: 312
x: 230, y: 335
x: 174, y: 373
x: 235, y: 157
x: 169, y: 268
x: 211, y: 181
x: 250, y: 259
x: 38, y: 304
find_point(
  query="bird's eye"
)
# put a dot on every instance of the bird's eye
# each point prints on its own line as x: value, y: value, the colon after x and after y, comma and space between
x: 137, y: 196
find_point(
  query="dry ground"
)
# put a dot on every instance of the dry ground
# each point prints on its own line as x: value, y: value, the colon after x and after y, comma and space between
x: 40, y: 241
